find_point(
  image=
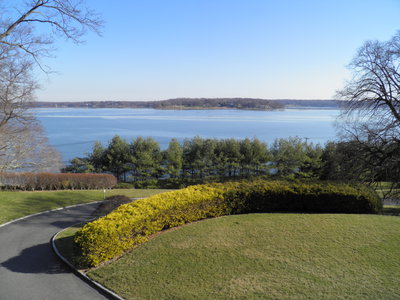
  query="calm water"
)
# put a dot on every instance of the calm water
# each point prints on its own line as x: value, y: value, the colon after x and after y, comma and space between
x: 73, y: 131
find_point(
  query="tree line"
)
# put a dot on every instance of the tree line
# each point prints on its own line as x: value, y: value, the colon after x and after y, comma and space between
x: 179, y: 103
x: 196, y: 103
x: 195, y: 160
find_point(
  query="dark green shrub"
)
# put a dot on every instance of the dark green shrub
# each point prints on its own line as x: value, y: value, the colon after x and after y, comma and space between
x: 318, y: 197
x: 147, y: 184
x: 124, y: 185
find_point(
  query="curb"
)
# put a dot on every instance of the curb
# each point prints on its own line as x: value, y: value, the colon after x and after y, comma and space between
x: 102, y: 289
x: 46, y: 211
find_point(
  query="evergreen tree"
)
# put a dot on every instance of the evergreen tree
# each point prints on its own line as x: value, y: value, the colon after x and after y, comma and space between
x: 98, y: 157
x: 79, y: 165
x: 117, y: 158
x: 173, y: 158
x: 288, y: 155
x: 146, y: 158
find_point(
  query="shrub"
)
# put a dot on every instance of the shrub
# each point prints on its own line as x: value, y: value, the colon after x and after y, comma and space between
x: 147, y: 184
x: 317, y: 197
x: 55, y: 181
x: 131, y: 224
x: 124, y: 185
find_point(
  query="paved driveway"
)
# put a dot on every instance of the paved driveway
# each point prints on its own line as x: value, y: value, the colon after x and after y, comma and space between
x: 29, y: 270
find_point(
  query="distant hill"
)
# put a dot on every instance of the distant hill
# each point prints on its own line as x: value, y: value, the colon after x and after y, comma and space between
x: 196, y: 103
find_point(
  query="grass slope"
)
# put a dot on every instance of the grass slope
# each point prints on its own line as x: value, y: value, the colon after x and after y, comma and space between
x: 14, y: 205
x: 265, y: 256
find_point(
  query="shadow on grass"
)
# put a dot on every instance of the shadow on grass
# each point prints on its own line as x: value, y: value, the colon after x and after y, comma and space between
x: 65, y: 246
x: 64, y: 243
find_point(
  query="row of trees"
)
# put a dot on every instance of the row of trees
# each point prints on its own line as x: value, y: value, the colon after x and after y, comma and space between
x: 201, y: 159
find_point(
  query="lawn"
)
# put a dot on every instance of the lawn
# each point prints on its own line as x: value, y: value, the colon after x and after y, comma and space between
x: 18, y: 204
x: 264, y: 256
x: 65, y: 241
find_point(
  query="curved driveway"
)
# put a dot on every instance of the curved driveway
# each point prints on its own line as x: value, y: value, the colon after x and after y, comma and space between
x: 29, y: 269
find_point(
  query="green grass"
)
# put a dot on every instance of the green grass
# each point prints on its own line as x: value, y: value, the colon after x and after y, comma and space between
x: 265, y: 256
x: 65, y: 241
x: 14, y: 205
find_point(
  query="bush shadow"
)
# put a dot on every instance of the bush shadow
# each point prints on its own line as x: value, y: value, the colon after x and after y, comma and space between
x: 38, y: 259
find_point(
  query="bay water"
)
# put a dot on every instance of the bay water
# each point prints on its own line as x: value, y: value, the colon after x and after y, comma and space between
x: 73, y: 131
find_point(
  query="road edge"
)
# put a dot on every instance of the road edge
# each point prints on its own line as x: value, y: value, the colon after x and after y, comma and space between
x: 102, y: 289
x: 45, y: 212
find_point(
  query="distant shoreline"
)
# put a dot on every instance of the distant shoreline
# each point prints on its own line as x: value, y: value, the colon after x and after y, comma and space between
x: 198, y: 104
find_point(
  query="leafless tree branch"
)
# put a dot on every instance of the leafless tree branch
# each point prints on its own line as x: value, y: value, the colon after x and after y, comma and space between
x: 26, y: 36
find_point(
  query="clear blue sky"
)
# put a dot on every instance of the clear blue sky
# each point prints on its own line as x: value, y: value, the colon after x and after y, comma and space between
x: 160, y: 49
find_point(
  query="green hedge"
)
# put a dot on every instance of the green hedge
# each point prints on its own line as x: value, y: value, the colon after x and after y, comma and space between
x: 316, y: 197
x: 132, y: 224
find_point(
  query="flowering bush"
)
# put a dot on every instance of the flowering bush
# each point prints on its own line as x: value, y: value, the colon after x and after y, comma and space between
x: 131, y: 224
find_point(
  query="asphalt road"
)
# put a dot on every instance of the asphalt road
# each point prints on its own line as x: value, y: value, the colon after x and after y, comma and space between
x: 29, y: 269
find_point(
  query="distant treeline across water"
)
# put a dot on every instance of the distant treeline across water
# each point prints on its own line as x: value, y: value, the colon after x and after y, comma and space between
x: 196, y: 103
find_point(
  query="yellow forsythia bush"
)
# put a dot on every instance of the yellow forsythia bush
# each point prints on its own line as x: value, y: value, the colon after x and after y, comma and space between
x: 132, y: 223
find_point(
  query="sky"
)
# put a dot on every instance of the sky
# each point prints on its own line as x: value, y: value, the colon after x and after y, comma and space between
x: 270, y: 49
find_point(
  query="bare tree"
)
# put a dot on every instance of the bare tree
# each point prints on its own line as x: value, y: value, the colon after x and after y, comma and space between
x: 67, y: 18
x: 28, y: 149
x: 27, y: 35
x: 16, y: 90
x: 371, y: 114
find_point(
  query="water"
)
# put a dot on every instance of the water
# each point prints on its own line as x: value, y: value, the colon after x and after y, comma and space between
x: 73, y: 131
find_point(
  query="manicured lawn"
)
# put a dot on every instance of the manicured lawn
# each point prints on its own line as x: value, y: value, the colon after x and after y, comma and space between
x: 18, y: 204
x: 265, y: 256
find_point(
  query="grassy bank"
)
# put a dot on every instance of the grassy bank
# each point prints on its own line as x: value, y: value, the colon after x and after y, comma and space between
x: 14, y: 205
x: 265, y: 256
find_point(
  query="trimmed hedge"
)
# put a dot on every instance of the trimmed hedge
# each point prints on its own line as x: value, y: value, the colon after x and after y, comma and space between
x: 55, y: 181
x: 316, y: 197
x: 131, y: 224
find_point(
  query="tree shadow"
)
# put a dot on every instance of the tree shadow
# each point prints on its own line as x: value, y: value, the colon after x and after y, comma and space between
x: 63, y: 224
x: 38, y: 259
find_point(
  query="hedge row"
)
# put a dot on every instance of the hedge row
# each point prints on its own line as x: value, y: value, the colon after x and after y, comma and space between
x: 132, y: 224
x: 55, y: 181
x: 316, y: 197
